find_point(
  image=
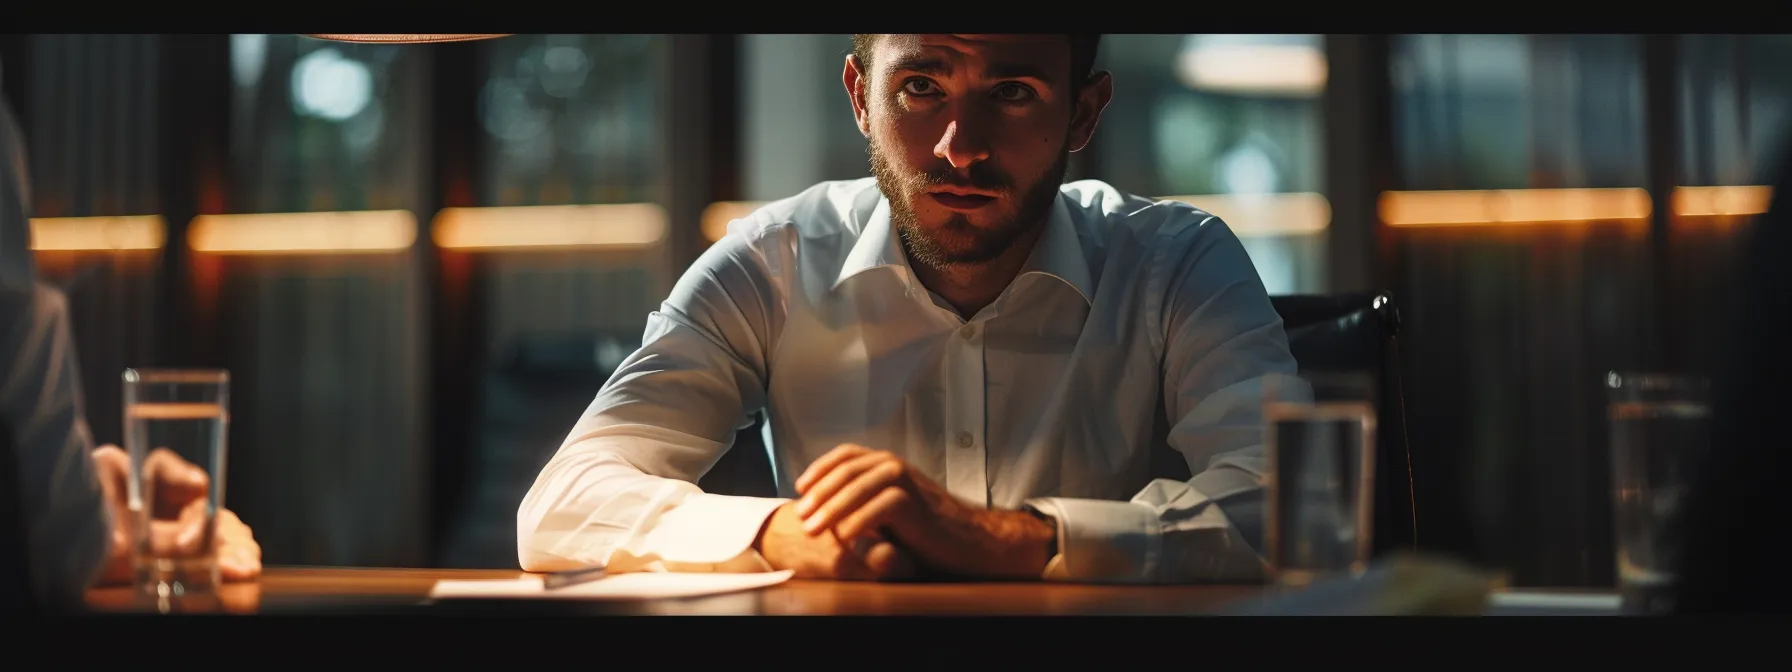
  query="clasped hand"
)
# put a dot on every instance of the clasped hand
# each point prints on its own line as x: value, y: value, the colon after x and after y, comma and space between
x: 867, y: 514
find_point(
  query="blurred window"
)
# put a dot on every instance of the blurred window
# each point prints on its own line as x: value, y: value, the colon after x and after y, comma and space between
x: 325, y: 126
x: 316, y: 313
x: 1232, y: 118
x: 571, y: 119
x: 1518, y: 111
x: 1735, y: 92
x: 797, y: 127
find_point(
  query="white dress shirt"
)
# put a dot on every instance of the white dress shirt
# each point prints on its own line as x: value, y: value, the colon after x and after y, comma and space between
x: 1135, y: 325
x: 67, y: 524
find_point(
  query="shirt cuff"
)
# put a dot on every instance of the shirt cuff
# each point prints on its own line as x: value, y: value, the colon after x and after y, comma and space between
x: 710, y: 533
x: 1102, y: 541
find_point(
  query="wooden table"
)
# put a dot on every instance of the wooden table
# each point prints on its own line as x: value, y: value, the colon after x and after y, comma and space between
x: 327, y: 590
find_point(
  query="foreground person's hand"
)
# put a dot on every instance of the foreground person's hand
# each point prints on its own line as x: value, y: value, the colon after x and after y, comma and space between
x: 177, y: 524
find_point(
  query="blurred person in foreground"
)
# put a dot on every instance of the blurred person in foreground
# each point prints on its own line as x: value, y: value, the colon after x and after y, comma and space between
x: 73, y: 499
x: 965, y: 362
x: 1731, y: 560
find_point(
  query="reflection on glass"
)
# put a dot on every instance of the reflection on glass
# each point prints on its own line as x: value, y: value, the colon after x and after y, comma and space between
x: 172, y: 417
x: 1319, y: 438
x: 1659, y: 426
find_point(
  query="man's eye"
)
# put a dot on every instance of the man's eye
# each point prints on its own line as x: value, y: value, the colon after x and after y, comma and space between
x: 1013, y: 93
x: 919, y: 87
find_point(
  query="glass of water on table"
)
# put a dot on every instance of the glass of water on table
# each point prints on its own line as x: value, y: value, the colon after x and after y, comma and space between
x: 1319, y: 442
x: 176, y: 413
x: 1659, y: 429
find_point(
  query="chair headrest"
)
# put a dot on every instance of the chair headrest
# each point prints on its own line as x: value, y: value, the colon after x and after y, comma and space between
x: 1337, y: 332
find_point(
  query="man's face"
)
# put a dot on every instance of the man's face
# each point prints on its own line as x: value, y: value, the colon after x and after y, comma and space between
x: 970, y: 136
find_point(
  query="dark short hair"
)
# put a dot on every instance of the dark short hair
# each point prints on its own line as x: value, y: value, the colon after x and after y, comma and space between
x: 1082, y: 54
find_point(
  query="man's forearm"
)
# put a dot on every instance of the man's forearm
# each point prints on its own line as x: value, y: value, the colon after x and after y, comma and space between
x: 1022, y: 542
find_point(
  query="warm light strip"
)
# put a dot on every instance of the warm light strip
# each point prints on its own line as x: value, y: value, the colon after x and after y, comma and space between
x: 716, y: 216
x: 620, y: 225
x: 1721, y: 201
x: 1515, y: 206
x: 1286, y: 214
x: 145, y: 232
x: 1262, y: 69
x: 304, y: 232
x: 1257, y: 215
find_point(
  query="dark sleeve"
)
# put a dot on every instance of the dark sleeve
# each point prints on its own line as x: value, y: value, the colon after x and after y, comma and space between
x: 1735, y: 515
x: 66, y: 522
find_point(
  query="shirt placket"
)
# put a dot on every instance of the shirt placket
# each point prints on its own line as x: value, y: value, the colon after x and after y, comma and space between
x: 966, y: 452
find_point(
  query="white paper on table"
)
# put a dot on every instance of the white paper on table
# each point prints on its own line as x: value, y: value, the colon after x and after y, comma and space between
x: 628, y: 586
x: 1520, y: 599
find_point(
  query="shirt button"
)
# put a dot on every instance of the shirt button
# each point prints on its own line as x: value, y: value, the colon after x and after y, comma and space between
x: 965, y: 440
x: 969, y: 331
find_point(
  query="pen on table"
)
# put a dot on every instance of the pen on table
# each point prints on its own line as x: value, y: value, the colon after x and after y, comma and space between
x: 572, y: 577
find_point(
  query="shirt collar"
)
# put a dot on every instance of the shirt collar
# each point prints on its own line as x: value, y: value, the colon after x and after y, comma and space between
x: 876, y: 247
x: 1059, y: 253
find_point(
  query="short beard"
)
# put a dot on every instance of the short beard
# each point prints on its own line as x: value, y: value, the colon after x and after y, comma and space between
x: 990, y: 243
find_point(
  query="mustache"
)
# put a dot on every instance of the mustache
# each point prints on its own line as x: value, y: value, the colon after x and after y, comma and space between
x: 981, y: 176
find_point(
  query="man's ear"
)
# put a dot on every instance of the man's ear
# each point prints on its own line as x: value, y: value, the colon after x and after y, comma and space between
x: 857, y: 81
x: 1090, y: 101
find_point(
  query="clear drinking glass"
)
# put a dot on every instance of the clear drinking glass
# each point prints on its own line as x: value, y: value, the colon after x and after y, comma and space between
x: 1319, y: 439
x: 172, y: 414
x: 1659, y: 426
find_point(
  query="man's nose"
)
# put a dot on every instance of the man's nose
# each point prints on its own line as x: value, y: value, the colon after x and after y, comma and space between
x: 964, y: 142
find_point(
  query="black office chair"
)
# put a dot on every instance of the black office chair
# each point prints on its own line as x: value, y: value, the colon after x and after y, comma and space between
x: 1350, y: 333
x: 1357, y: 332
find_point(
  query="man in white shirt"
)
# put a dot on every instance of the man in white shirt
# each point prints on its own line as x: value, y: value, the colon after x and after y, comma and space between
x: 965, y: 364
x: 72, y: 497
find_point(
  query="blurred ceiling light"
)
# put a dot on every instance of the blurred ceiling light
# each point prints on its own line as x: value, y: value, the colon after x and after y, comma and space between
x: 716, y: 216
x: 404, y: 38
x: 304, y: 232
x: 564, y: 68
x: 619, y: 225
x: 1514, y: 206
x: 327, y: 85
x: 1259, y: 215
x: 248, y: 57
x: 1721, y: 201
x: 1261, y: 65
x: 1248, y: 169
x: 145, y: 232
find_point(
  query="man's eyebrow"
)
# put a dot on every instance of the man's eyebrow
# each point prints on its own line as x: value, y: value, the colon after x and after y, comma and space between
x: 933, y: 65
x: 923, y: 63
x: 1000, y: 70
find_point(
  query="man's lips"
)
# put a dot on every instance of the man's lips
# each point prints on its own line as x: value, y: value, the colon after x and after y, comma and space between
x: 961, y: 201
